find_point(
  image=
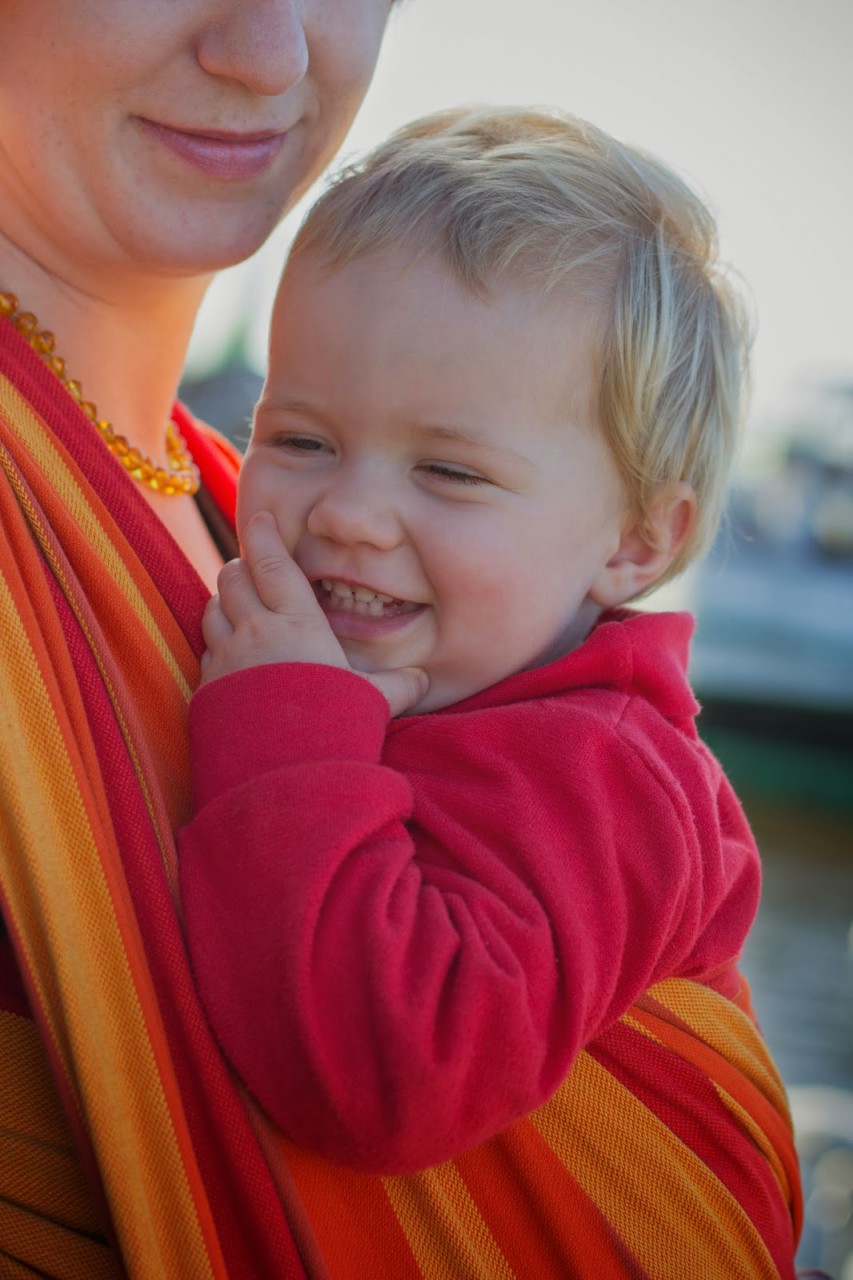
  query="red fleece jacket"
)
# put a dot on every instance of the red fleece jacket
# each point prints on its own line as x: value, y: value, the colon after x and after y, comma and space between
x: 404, y: 933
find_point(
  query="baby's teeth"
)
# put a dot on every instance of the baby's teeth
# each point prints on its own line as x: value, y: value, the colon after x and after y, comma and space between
x: 363, y: 594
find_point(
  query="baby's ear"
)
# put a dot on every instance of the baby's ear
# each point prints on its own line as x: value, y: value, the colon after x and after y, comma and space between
x: 647, y: 549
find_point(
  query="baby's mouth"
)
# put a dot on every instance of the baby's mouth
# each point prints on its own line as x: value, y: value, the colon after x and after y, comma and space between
x: 341, y: 597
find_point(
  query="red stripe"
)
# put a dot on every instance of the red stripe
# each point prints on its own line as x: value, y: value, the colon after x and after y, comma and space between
x: 541, y: 1218
x: 688, y: 1046
x: 689, y: 1105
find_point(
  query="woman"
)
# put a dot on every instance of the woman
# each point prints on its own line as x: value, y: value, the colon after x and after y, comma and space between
x: 142, y: 147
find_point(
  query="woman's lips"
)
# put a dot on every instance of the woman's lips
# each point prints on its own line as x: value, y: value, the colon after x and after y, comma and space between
x: 234, y: 157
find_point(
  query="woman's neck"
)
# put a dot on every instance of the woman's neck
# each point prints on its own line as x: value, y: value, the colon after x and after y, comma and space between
x: 125, y: 342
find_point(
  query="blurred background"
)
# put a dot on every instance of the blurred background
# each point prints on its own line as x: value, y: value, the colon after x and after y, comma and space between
x: 752, y: 102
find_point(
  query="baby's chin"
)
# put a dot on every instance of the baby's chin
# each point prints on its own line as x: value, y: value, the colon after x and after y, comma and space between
x: 441, y: 694
x: 366, y: 664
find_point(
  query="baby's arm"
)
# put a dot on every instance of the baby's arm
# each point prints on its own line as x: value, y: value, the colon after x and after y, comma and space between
x: 401, y: 961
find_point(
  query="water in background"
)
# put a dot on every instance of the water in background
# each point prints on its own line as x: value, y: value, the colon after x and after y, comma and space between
x: 799, y: 962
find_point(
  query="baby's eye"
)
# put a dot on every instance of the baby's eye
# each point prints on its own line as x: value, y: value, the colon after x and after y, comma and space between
x: 457, y: 475
x: 299, y: 444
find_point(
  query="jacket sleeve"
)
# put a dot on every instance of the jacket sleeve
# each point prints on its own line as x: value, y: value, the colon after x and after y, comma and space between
x: 401, y: 961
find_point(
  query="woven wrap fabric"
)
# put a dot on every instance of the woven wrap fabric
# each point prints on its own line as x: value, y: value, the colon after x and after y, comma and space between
x: 665, y: 1155
x: 126, y: 1147
x: 125, y: 1135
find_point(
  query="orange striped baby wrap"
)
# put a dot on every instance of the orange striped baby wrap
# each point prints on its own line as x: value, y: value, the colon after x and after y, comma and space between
x: 666, y: 1153
x: 118, y: 1073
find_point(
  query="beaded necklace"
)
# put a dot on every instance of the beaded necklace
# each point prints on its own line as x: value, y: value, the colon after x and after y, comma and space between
x: 178, y: 477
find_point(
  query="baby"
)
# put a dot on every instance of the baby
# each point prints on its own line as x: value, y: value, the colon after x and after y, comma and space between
x: 463, y: 887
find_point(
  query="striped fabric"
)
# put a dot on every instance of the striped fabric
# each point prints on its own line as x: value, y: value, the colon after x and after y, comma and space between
x: 96, y: 670
x: 666, y: 1154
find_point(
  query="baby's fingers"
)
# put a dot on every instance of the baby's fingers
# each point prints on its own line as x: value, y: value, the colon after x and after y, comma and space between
x: 402, y: 688
x: 280, y: 583
x: 215, y: 627
x: 238, y: 597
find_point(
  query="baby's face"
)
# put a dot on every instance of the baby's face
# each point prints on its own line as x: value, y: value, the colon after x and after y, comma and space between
x: 432, y: 465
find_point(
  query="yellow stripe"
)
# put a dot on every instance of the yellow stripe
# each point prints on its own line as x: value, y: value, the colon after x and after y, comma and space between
x: 617, y: 1149
x: 445, y: 1230
x: 747, y: 1121
x: 164, y: 839
x: 734, y: 1036
x: 53, y: 879
x: 42, y: 449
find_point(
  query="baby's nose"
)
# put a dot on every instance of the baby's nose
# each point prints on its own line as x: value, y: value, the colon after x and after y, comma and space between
x: 356, y: 509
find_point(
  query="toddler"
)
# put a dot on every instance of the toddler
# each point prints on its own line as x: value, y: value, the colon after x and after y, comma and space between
x: 465, y: 893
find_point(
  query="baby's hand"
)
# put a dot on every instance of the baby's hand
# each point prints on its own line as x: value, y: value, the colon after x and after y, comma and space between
x: 266, y: 611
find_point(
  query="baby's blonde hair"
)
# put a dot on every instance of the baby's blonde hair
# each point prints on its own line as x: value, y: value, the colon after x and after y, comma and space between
x: 542, y: 196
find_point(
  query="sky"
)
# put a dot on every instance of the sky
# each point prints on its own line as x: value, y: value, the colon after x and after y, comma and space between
x: 750, y: 100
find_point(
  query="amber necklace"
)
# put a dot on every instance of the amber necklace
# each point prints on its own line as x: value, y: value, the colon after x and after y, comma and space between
x: 179, y: 476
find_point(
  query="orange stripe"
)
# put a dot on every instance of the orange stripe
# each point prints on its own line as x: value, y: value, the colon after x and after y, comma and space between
x: 42, y: 616
x: 751, y: 1106
x: 356, y: 1227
